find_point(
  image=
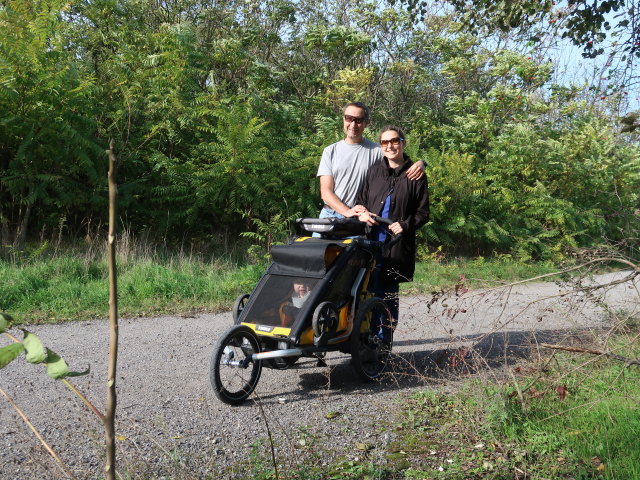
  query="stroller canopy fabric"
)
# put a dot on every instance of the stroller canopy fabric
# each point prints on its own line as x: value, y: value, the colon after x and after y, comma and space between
x: 306, y: 259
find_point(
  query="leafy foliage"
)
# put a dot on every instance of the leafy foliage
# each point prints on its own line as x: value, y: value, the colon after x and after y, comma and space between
x: 46, y: 147
x: 607, y: 30
x: 584, y: 24
x: 219, y: 113
x: 35, y: 352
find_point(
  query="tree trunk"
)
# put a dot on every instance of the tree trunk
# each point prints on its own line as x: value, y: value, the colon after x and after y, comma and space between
x: 21, y: 233
x: 5, y: 241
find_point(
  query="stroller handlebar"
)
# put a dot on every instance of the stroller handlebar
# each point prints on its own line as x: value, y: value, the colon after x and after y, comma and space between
x: 394, y: 238
x: 386, y: 221
x: 336, y: 228
x: 383, y: 247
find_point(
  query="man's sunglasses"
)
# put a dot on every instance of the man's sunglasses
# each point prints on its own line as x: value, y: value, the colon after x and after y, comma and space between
x: 351, y: 118
x: 393, y: 141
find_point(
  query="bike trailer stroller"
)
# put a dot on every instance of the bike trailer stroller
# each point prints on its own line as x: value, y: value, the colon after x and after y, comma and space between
x: 274, y: 326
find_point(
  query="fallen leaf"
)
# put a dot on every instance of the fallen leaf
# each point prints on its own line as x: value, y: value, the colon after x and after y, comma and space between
x: 562, y: 391
x: 534, y: 393
x: 363, y: 446
x: 458, y: 357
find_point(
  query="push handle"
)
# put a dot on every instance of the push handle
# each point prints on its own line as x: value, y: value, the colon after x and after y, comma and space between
x: 394, y: 238
x: 386, y: 221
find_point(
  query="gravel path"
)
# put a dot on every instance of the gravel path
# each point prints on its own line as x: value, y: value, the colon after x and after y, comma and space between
x: 170, y: 425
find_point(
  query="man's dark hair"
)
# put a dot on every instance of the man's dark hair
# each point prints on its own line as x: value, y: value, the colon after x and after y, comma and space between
x: 361, y: 105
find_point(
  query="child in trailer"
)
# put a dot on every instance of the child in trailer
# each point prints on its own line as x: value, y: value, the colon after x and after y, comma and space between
x: 289, y: 310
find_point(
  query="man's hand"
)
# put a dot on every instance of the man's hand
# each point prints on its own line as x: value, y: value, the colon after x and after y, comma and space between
x: 355, y: 211
x: 416, y: 171
x: 331, y: 199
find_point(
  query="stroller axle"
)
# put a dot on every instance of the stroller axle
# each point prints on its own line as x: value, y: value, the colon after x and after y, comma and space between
x: 290, y: 352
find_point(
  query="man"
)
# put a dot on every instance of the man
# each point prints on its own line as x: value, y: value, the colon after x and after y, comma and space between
x: 344, y: 165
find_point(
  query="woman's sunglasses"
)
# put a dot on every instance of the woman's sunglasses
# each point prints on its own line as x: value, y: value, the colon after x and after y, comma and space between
x: 393, y: 141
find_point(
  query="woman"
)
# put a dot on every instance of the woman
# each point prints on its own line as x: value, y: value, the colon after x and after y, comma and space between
x: 388, y: 193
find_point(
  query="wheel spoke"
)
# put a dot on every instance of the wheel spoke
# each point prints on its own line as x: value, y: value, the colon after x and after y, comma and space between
x: 234, y: 374
x: 368, y: 351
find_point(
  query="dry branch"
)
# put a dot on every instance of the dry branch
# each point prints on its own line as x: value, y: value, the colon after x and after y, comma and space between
x: 625, y: 360
x: 37, y: 434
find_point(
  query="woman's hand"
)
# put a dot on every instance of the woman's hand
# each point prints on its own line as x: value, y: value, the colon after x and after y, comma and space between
x: 367, y: 218
x: 396, y: 228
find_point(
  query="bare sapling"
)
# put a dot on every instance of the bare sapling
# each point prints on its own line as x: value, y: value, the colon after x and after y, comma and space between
x: 110, y: 413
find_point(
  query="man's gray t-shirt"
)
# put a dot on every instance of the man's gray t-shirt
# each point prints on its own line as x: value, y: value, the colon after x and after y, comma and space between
x: 348, y: 164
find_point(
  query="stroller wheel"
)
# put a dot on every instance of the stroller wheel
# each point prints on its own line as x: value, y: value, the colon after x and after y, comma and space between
x: 325, y: 320
x: 281, y: 363
x: 369, y: 355
x: 238, y: 306
x: 233, y: 373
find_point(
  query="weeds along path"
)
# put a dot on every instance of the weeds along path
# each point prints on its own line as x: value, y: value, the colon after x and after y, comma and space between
x: 170, y: 425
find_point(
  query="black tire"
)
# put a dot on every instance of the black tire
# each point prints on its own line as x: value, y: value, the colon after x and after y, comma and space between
x: 369, y: 356
x: 238, y: 306
x: 281, y: 363
x: 233, y: 383
x: 325, y: 319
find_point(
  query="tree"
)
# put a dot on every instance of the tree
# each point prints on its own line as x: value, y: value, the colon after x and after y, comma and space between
x: 46, y: 125
x: 608, y: 28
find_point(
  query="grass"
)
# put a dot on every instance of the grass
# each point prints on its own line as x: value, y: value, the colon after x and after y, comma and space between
x: 440, y: 272
x: 74, y: 287
x: 577, y: 418
x: 72, y: 284
x: 579, y: 426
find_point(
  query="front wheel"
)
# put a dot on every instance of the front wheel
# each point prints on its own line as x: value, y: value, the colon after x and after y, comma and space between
x: 233, y: 372
x: 369, y: 354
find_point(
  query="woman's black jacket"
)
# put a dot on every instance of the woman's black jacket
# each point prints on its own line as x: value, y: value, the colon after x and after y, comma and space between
x: 409, y: 206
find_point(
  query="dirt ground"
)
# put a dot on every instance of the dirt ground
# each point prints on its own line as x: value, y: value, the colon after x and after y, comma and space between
x: 170, y: 425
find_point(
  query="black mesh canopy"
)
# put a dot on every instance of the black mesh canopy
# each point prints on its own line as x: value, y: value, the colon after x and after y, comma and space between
x: 274, y: 303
